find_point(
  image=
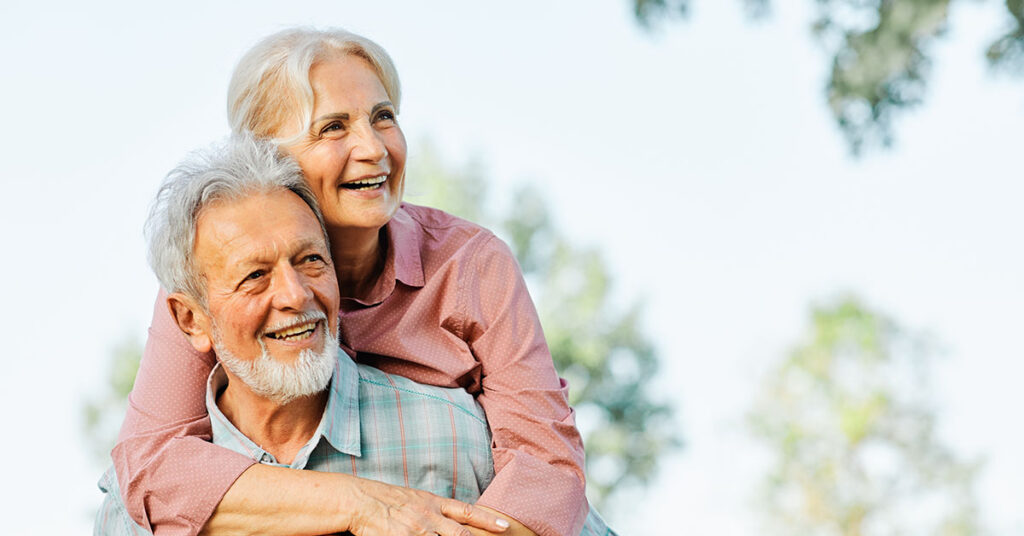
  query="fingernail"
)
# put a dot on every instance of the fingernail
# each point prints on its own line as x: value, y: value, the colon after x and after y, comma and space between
x: 502, y: 523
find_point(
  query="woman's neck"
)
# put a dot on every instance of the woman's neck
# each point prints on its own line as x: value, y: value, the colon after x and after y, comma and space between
x: 358, y: 259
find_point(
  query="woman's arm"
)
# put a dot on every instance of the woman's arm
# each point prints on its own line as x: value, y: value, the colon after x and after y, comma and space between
x: 174, y: 481
x: 538, y: 452
x: 171, y: 476
x: 285, y: 501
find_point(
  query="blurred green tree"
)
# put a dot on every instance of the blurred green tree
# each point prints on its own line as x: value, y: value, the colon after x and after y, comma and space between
x: 102, y: 414
x: 880, y: 54
x: 852, y: 433
x: 597, y: 345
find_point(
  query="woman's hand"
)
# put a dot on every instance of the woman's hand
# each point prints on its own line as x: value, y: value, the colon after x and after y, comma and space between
x: 289, y: 502
x: 516, y: 528
x: 387, y: 510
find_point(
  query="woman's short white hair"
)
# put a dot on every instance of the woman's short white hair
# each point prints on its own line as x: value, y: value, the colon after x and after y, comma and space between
x: 270, y: 89
x: 239, y: 167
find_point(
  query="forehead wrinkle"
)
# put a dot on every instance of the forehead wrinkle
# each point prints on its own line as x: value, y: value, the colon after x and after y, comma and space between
x: 223, y: 239
x: 362, y: 81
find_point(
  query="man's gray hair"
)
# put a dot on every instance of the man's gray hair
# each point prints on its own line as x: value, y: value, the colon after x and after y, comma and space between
x: 232, y: 170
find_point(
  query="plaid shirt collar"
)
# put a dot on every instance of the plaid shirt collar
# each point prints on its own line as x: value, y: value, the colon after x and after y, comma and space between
x: 339, y: 424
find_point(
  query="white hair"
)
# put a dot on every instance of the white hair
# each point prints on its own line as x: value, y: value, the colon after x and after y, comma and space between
x: 233, y: 170
x: 270, y: 87
x: 281, y: 382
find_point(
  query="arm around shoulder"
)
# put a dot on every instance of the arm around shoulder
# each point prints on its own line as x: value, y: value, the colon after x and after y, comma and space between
x: 165, y: 438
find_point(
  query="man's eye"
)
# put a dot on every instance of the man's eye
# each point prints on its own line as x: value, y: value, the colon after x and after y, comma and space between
x: 314, y: 257
x: 255, y: 275
x: 386, y: 115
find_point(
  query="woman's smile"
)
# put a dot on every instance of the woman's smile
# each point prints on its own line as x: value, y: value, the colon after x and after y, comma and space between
x: 367, y: 184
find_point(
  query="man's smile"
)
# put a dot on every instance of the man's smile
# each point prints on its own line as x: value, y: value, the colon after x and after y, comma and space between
x: 297, y: 333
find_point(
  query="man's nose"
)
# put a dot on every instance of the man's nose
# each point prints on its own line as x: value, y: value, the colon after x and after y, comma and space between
x: 290, y: 289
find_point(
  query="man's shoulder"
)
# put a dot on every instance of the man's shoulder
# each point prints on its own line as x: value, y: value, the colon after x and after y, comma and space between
x: 375, y: 384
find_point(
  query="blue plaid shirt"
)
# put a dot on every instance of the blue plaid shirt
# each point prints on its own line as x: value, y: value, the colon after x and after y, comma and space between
x: 376, y: 426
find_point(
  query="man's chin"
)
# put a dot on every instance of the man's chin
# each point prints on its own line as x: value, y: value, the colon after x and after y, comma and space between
x: 282, y: 381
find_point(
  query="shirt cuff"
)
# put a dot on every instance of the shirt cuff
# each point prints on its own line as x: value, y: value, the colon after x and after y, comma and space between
x: 177, y: 492
x: 549, y: 501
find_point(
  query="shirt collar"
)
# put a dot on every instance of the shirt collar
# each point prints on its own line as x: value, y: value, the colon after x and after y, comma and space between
x: 402, y: 261
x: 339, y: 424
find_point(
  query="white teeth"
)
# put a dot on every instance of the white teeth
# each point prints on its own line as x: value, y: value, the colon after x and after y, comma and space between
x: 373, y: 181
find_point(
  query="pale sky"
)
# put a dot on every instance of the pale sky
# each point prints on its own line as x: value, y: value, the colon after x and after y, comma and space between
x: 701, y: 160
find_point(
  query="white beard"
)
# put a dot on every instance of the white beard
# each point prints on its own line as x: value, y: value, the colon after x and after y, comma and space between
x: 277, y: 381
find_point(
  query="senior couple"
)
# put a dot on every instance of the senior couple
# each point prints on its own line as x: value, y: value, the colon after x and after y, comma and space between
x: 442, y: 415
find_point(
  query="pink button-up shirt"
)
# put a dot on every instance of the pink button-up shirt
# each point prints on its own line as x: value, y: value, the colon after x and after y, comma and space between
x: 450, y: 309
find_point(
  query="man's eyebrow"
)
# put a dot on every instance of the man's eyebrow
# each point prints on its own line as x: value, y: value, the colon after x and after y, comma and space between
x: 309, y: 243
x: 251, y: 261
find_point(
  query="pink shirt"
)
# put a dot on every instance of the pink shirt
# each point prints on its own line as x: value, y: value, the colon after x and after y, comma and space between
x: 450, y: 309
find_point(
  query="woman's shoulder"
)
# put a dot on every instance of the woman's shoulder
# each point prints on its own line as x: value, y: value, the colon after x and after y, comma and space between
x: 443, y: 237
x: 435, y: 218
x: 437, y: 228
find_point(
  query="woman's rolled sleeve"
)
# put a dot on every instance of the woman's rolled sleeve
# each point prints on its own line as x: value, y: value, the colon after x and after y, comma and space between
x: 538, y: 452
x: 171, y: 476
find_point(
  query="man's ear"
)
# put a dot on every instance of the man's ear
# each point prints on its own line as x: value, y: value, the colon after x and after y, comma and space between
x: 192, y: 320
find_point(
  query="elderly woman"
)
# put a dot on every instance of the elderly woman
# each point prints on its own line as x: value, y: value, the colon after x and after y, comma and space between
x: 425, y: 295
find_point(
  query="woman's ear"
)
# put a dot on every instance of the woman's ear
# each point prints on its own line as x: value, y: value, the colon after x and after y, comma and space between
x: 192, y: 320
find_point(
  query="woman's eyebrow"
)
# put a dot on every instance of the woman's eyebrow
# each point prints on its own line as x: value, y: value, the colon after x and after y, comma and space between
x: 379, y: 105
x: 331, y: 117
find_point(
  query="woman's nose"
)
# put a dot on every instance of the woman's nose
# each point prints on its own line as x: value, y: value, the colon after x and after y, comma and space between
x: 368, y: 145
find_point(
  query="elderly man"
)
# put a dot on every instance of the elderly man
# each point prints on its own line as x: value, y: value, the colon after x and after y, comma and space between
x: 238, y: 240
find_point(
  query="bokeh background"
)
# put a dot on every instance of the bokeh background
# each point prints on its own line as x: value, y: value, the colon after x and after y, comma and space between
x: 776, y: 245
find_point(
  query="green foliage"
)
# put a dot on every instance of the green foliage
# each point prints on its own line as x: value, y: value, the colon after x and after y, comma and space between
x: 880, y: 67
x: 880, y: 56
x: 436, y: 186
x: 1007, y: 51
x: 649, y: 11
x: 102, y: 415
x: 598, y: 347
x: 847, y: 418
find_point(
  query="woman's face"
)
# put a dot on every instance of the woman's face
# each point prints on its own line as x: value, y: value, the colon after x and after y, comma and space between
x: 353, y: 155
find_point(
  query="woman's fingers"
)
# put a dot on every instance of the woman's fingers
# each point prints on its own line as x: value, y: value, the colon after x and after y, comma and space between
x: 472, y: 515
x: 387, y: 510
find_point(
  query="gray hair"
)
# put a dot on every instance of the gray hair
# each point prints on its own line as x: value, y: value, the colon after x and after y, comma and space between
x: 270, y: 87
x: 239, y: 167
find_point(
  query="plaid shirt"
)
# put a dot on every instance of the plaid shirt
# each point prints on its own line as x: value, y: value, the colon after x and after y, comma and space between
x: 376, y: 426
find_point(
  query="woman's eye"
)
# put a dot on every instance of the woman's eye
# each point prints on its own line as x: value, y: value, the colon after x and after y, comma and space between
x: 332, y: 130
x: 255, y: 275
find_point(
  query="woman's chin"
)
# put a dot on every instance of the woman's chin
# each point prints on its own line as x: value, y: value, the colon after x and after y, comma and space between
x: 370, y: 214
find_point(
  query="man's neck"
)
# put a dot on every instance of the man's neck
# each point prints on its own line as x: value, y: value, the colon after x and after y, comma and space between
x: 281, y: 430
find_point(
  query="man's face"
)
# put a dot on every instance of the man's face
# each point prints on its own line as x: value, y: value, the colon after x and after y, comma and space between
x: 271, y: 288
